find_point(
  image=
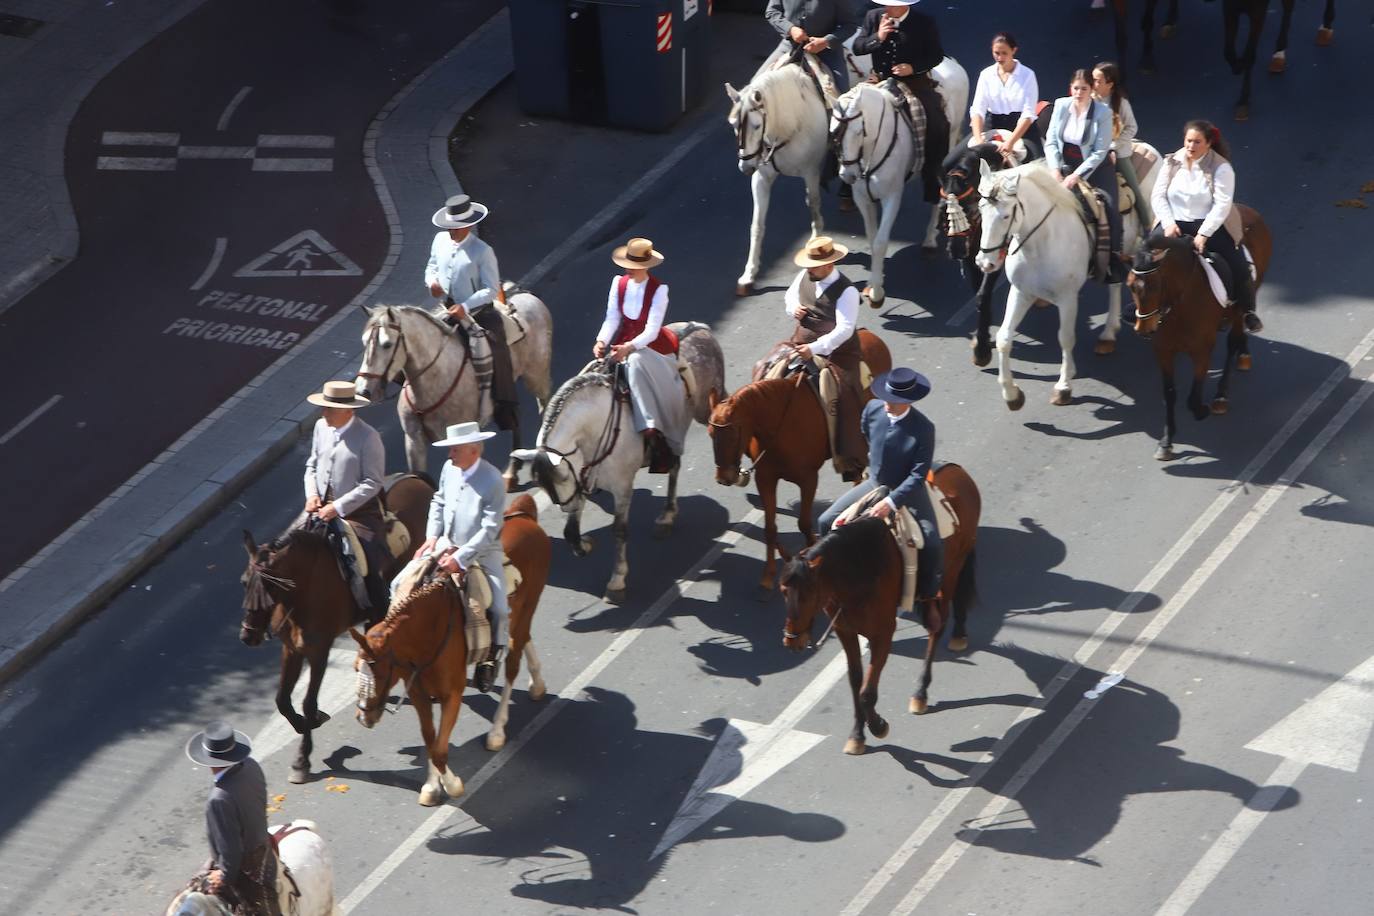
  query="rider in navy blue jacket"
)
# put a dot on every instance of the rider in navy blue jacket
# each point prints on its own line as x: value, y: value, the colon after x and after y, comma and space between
x: 901, y: 450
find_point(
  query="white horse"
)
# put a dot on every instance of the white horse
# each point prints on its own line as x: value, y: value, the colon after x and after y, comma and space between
x: 1034, y: 230
x: 301, y: 849
x: 587, y: 442
x: 877, y: 154
x: 780, y: 124
x: 440, y: 384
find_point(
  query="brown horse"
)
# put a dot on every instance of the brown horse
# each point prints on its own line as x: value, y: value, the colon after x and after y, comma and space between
x: 293, y: 590
x: 422, y: 640
x: 1176, y: 308
x: 854, y: 575
x: 779, y: 424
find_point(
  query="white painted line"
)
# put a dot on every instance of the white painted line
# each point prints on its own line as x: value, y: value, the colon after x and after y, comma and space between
x: 216, y: 152
x: 293, y: 165
x: 965, y: 310
x: 296, y: 141
x: 138, y: 138
x: 23, y: 277
x: 220, y: 245
x: 612, y: 210
x: 622, y: 642
x: 301, y: 256
x: 15, y: 706
x: 136, y: 163
x: 232, y: 107
x: 1132, y: 653
x: 19, y: 427
x: 954, y: 797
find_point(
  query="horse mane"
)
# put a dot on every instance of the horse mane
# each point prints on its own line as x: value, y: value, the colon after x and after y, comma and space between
x: 786, y: 93
x: 754, y: 396
x: 400, y: 611
x: 559, y: 402
x: 434, y: 319
x: 1040, y: 176
x: 853, y: 557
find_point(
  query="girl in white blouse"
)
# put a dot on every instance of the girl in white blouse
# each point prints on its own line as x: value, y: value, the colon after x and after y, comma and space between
x: 1194, y: 197
x: 1005, y: 99
x: 1107, y: 89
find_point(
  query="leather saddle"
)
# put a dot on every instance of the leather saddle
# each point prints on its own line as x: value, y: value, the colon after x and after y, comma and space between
x: 906, y: 531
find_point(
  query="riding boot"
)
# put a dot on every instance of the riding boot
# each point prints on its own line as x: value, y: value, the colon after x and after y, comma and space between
x: 503, y: 397
x: 661, y: 457
x: 484, y: 678
x: 936, y: 138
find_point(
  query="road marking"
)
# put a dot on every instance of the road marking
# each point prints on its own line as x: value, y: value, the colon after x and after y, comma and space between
x: 220, y: 245
x: 298, y: 255
x: 138, y: 138
x: 19, y: 427
x: 612, y: 210
x: 232, y: 107
x: 337, y: 693
x: 15, y: 706
x: 484, y: 775
x: 216, y: 152
x: 293, y: 165
x: 295, y: 141
x: 172, y: 141
x: 1124, y: 611
x: 136, y: 163
x: 1132, y: 653
x: 1330, y: 730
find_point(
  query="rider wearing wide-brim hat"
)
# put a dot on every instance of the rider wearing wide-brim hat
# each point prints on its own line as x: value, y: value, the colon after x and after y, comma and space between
x: 901, y: 452
x: 825, y: 305
x: 462, y: 271
x: 242, y: 868
x: 343, y: 481
x: 633, y: 334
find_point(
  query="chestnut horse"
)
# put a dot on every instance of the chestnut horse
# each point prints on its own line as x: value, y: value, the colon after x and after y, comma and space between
x: 1175, y: 307
x: 779, y: 424
x: 293, y: 590
x: 422, y: 640
x: 854, y: 575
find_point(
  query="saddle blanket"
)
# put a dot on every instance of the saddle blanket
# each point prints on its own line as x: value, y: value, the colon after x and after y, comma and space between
x: 1218, y: 285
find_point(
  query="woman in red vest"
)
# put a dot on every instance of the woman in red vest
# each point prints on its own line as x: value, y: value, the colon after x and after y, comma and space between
x: 633, y: 334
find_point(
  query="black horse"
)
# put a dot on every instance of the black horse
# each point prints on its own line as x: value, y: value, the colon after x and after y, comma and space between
x: 959, y: 194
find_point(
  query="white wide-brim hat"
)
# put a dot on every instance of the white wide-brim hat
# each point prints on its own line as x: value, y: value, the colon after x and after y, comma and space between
x: 338, y: 394
x: 896, y: 2
x: 463, y: 434
x: 459, y: 212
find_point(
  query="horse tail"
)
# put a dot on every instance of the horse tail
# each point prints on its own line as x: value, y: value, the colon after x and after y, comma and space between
x: 966, y: 591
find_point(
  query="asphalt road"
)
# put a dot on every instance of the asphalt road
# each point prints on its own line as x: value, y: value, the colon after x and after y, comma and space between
x: 194, y: 168
x: 1226, y: 771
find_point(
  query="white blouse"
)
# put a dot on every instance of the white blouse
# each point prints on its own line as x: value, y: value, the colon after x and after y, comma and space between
x: 634, y: 304
x: 1018, y: 95
x: 1074, y: 126
x: 1190, y: 196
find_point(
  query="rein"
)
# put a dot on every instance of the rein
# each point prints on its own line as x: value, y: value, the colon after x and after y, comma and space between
x: 754, y: 462
x: 417, y: 670
x: 1011, y: 230
x: 386, y: 374
x: 605, y: 444
x: 763, y: 149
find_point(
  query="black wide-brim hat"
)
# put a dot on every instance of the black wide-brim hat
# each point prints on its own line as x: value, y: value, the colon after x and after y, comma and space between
x: 900, y: 386
x: 218, y: 745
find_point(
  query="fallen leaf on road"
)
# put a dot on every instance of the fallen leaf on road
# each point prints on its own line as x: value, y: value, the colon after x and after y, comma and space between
x: 337, y: 787
x: 1367, y: 187
x: 1354, y: 203
x: 272, y: 809
x: 278, y: 799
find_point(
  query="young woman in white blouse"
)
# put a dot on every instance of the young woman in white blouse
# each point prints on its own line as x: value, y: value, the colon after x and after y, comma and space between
x: 633, y: 334
x: 1076, y: 148
x: 1193, y: 197
x: 1005, y: 99
x: 1107, y: 89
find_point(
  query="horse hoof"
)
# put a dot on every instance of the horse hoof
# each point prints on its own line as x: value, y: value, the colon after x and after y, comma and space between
x: 511, y: 482
x: 495, y: 743
x: 918, y: 706
x: 744, y: 289
x: 615, y: 596
x: 873, y: 303
x: 430, y: 796
x: 1242, y: 112
x: 662, y: 530
x: 1278, y: 63
x: 1104, y: 347
x: 764, y: 592
x: 453, y: 785
x: 1164, y: 454
x: 982, y: 353
x: 321, y: 717
x: 847, y: 205
x: 1325, y: 36
x: 854, y: 747
x: 1167, y: 31
x: 298, y: 776
x: 1221, y: 406
x: 582, y: 546
x: 880, y: 730
x: 1202, y: 413
x: 1063, y: 397
x: 1244, y: 363
x: 1017, y: 402
x: 538, y: 692
x: 958, y: 644
x: 930, y: 252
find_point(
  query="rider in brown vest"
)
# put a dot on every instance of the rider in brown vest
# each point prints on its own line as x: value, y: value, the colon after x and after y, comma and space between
x: 826, y: 306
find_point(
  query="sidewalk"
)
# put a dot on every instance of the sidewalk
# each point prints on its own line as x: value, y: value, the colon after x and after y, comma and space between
x: 406, y: 155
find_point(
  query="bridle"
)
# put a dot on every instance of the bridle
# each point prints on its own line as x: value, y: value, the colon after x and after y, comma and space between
x: 605, y: 444
x: 763, y: 152
x: 374, y: 334
x: 1161, y: 310
x: 1020, y: 210
x: 367, y: 682
x: 747, y: 475
x: 837, y: 138
x: 262, y: 601
x: 787, y: 633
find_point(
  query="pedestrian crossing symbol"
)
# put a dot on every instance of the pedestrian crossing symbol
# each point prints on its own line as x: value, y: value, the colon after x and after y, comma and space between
x: 305, y: 254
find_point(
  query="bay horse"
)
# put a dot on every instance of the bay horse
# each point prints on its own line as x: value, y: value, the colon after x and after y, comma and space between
x: 780, y: 124
x: 294, y: 590
x: 853, y: 575
x: 780, y: 426
x: 308, y: 891
x: 587, y: 442
x: 878, y: 155
x: 423, y: 641
x: 1176, y: 308
x: 440, y: 383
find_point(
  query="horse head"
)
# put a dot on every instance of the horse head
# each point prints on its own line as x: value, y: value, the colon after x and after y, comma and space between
x: 265, y: 588
x: 800, y: 584
x: 384, y: 353
x: 377, y: 674
x: 1146, y: 282
x: 728, y: 439
x: 959, y: 195
x: 997, y: 209
x: 749, y: 120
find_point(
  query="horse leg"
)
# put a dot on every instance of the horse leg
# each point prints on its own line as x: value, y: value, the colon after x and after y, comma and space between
x: 1170, y: 27
x: 310, y: 712
x: 1068, y: 336
x: 1327, y: 33
x: 878, y: 651
x: 1230, y: 29
x: 768, y: 494
x: 513, y: 466
x: 877, y: 248
x: 1278, y: 63
x: 430, y: 793
x: 1165, y: 452
x: 1201, y: 357
x: 1106, y: 341
x: 813, y: 200
x: 537, y: 690
x: 417, y: 443
x: 805, y: 523
x: 1120, y: 32
x: 290, y: 673
x: 982, y: 340
x: 620, y: 527
x: 496, y: 738
x: 449, y: 707
x: 663, y: 525
x: 1018, y: 303
x: 1147, y: 26
x: 935, y: 627
x: 930, y: 243
x: 854, y: 659
x: 572, y: 529
x: 762, y: 186
x: 1235, y: 340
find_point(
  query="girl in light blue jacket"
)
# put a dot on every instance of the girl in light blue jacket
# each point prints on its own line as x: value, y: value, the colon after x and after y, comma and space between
x: 1076, y: 148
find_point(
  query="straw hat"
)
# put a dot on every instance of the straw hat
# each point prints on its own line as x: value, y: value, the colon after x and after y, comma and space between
x: 820, y: 251
x: 338, y: 394
x: 218, y: 745
x: 637, y: 253
x: 459, y: 212
x: 462, y: 434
